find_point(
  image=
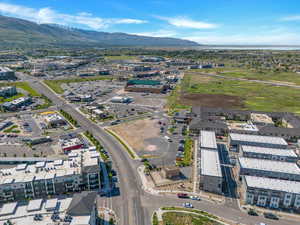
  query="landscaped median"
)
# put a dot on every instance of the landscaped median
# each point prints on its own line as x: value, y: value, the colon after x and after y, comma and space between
x: 180, y: 216
x: 128, y: 149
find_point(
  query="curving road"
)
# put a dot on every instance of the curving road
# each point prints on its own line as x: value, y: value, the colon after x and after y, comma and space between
x: 133, y: 206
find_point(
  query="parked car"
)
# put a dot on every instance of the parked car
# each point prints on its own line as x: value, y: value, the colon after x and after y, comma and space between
x: 182, y: 195
x: 271, y: 216
x: 187, y: 205
x: 195, y: 198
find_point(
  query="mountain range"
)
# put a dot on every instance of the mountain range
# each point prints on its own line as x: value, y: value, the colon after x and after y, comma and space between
x: 16, y: 32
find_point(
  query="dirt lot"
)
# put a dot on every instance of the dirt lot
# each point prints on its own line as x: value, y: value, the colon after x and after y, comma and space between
x: 137, y: 133
x: 208, y: 100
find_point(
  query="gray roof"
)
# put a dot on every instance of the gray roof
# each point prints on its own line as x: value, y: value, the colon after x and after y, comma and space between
x: 269, y: 165
x: 208, y: 139
x: 269, y: 151
x: 82, y: 203
x: 257, y: 139
x: 273, y: 184
x: 210, y: 163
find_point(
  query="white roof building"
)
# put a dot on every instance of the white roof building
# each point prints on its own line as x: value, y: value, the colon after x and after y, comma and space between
x: 263, y: 140
x: 269, y: 151
x: 208, y: 140
x: 210, y: 163
x: 269, y: 166
x: 273, y: 184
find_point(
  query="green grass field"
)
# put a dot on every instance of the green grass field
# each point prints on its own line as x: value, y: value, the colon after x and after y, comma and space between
x: 264, y: 75
x: 55, y: 85
x: 180, y: 218
x: 254, y: 96
x: 23, y: 85
x: 120, y: 57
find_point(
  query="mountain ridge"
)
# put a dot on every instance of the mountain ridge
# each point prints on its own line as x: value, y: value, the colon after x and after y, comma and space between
x: 15, y: 32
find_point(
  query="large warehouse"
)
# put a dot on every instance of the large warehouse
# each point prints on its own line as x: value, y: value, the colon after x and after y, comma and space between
x: 236, y: 140
x: 287, y: 155
x: 273, y: 193
x: 268, y: 168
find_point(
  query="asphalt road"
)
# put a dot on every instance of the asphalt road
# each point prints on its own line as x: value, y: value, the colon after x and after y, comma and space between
x: 133, y: 206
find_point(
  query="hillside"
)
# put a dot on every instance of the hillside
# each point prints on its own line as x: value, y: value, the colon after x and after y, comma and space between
x: 21, y: 33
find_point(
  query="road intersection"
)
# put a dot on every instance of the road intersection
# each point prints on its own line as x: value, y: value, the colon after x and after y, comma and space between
x: 134, y: 206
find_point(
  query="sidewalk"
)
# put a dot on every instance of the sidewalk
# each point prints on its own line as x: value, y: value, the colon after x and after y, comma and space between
x: 149, y: 188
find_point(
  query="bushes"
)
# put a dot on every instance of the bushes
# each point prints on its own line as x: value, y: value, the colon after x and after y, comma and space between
x: 154, y: 219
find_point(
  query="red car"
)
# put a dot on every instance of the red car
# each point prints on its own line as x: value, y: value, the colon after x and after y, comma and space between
x: 182, y: 195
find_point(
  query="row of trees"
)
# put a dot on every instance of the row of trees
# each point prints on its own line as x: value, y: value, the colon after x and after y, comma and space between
x: 69, y: 118
x: 97, y: 144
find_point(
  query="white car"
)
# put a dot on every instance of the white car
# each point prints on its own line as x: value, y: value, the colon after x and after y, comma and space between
x: 195, y: 198
x: 187, y: 205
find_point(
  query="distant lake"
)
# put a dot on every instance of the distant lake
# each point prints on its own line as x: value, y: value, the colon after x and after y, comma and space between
x: 279, y: 48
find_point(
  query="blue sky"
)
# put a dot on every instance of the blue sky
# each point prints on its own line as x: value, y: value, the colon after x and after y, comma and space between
x: 206, y: 22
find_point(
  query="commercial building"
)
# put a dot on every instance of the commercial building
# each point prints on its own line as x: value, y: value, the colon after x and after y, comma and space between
x: 71, y: 144
x: 149, y: 86
x: 236, y: 140
x: 287, y: 155
x: 273, y: 193
x: 79, y: 209
x: 17, y: 103
x: 54, y: 120
x: 7, y: 74
x: 120, y: 99
x: 268, y: 168
x: 81, y: 171
x: 39, y: 140
x: 211, y: 178
x: 208, y: 140
x: 171, y: 172
x: 8, y: 91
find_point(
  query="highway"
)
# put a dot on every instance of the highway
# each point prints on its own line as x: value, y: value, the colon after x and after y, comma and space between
x: 134, y: 206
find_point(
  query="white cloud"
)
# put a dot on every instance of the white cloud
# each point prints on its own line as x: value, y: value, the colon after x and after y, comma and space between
x: 291, y: 18
x: 183, y: 22
x: 47, y: 15
x: 244, y: 39
x: 159, y: 33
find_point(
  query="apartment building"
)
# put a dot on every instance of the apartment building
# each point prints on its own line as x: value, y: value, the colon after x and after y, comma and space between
x: 211, y: 178
x: 8, y: 91
x: 81, y: 208
x: 286, y: 155
x: 208, y: 140
x: 81, y: 171
x: 268, y: 168
x: 7, y: 74
x: 236, y: 140
x: 273, y: 193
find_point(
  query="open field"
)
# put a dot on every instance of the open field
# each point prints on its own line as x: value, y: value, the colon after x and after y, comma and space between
x: 196, y: 90
x: 264, y: 75
x: 55, y: 85
x: 136, y: 133
x: 22, y: 85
